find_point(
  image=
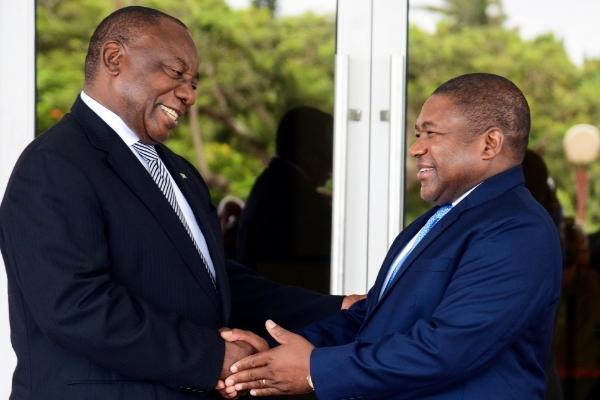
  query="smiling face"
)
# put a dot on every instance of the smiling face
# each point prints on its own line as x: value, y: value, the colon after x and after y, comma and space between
x: 449, y: 157
x: 156, y: 80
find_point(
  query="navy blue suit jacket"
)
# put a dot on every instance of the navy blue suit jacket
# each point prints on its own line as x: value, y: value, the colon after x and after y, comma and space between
x: 469, y: 315
x: 108, y: 296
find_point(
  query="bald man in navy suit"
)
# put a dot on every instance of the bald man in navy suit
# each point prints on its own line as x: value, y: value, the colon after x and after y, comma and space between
x: 463, y: 306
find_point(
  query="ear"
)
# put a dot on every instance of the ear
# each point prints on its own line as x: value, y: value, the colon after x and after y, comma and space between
x: 112, y: 53
x: 494, y: 141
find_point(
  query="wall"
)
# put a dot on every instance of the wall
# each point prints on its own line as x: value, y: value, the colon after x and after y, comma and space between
x: 17, y: 127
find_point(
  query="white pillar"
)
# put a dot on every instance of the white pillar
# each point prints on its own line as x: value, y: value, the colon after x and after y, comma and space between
x: 369, y: 125
x: 17, y: 129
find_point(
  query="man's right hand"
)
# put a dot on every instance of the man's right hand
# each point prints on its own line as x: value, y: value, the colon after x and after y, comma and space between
x: 234, y: 351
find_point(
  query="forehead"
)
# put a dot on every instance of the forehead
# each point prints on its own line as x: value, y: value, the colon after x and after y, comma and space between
x: 440, y: 110
x: 170, y: 42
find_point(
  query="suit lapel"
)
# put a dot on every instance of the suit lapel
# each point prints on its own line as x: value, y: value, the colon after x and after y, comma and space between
x: 176, y: 168
x: 395, y: 249
x: 489, y: 189
x: 428, y: 239
x: 141, y: 183
x: 414, y: 254
x: 133, y: 173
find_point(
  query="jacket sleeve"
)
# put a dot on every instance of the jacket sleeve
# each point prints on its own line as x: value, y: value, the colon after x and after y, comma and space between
x: 255, y: 299
x: 54, y: 243
x: 338, y: 330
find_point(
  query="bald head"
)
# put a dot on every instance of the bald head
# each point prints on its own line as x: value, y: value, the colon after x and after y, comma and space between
x: 123, y: 26
x: 488, y: 100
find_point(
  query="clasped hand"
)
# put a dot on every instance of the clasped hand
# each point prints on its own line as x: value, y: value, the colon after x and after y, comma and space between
x: 278, y: 371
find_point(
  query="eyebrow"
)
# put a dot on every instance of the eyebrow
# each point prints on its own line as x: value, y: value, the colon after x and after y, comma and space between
x: 424, y: 125
x: 184, y: 64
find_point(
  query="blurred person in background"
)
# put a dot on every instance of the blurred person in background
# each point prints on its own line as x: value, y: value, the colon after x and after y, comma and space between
x: 230, y: 209
x: 285, y: 229
x: 541, y: 186
x: 578, y: 319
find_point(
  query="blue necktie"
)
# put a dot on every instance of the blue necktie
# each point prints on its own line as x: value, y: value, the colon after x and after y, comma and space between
x: 439, y: 214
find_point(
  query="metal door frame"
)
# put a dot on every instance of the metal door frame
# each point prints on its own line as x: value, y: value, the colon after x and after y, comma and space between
x: 370, y: 138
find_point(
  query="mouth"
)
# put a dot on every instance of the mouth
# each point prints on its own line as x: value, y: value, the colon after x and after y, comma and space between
x: 170, y: 112
x: 424, y: 172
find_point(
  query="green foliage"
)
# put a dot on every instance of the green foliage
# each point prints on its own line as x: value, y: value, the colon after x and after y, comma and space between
x: 255, y: 66
x: 237, y: 166
x: 559, y: 93
x: 469, y: 13
x: 63, y: 30
x: 270, y: 5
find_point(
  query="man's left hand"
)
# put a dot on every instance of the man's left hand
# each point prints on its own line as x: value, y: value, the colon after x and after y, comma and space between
x: 351, y: 299
x: 279, y: 371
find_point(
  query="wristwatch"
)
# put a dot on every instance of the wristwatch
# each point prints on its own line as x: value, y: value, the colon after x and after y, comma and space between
x: 308, y: 378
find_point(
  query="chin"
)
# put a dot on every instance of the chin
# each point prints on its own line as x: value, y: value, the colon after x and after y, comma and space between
x: 159, y: 138
x: 427, y: 196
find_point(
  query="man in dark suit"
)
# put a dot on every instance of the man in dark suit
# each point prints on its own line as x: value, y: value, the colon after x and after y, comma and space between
x: 116, y: 277
x: 285, y: 228
x: 463, y: 306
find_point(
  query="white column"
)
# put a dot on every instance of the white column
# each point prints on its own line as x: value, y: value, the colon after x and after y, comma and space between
x: 17, y: 129
x: 387, y: 130
x: 368, y: 174
x: 351, y: 147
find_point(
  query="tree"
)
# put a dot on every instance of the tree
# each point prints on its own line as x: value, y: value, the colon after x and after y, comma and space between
x: 464, y: 13
x: 271, y: 5
x: 559, y: 93
x: 253, y: 68
x: 63, y: 30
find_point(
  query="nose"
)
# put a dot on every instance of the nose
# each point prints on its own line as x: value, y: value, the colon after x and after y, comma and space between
x: 186, y: 93
x: 417, y: 149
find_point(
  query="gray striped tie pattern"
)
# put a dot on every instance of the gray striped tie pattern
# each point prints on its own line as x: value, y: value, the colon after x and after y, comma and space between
x: 160, y: 174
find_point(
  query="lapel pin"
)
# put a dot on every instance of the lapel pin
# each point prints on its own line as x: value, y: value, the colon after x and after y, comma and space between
x: 183, y: 175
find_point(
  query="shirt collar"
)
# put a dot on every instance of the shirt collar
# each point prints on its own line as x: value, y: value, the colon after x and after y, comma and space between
x: 111, y: 119
x: 455, y: 202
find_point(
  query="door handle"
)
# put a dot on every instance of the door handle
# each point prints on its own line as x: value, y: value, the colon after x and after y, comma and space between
x: 340, y: 151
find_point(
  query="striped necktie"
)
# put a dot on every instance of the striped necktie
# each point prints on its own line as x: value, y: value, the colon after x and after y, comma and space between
x: 160, y: 174
x: 439, y: 214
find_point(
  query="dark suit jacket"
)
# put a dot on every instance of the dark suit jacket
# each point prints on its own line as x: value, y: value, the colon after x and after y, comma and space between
x: 285, y: 229
x: 108, y: 296
x: 469, y: 315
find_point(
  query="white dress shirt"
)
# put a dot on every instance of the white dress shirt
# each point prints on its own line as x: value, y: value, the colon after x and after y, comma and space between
x: 130, y: 137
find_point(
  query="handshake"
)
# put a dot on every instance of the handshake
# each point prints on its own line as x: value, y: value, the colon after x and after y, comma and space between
x: 251, y: 365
